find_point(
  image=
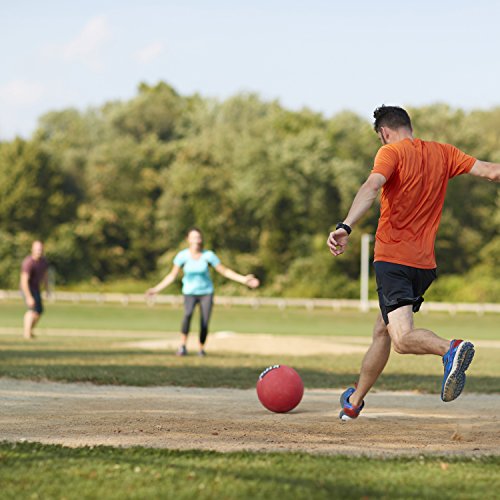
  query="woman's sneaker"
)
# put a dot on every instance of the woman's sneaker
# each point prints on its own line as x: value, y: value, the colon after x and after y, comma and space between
x: 202, y: 353
x: 182, y: 351
x: 349, y: 411
x: 456, y: 361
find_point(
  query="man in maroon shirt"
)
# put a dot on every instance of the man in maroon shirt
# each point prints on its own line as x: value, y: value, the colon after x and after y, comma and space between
x: 33, y: 274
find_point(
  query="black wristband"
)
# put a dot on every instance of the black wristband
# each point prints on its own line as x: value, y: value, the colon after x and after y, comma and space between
x: 347, y: 228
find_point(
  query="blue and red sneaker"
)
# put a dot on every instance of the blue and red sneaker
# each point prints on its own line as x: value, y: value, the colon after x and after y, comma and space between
x: 456, y: 361
x: 349, y: 411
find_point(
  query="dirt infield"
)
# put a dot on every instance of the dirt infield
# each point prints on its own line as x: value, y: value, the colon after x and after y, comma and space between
x: 393, y: 423
x: 230, y: 420
x: 262, y: 343
x: 268, y: 344
x: 248, y: 343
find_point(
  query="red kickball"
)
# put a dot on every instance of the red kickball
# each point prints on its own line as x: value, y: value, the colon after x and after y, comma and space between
x: 280, y: 388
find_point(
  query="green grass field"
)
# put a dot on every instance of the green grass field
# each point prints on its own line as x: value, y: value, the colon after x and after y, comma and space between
x: 290, y: 321
x: 105, y: 360
x: 30, y: 470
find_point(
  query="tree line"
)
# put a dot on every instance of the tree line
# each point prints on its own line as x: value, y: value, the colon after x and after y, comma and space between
x: 112, y: 191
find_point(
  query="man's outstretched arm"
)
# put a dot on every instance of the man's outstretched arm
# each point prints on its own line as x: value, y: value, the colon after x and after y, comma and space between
x: 486, y: 170
x: 364, y: 198
x: 337, y: 241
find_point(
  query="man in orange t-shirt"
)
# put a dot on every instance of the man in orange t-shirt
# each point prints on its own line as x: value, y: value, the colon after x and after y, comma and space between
x: 413, y: 175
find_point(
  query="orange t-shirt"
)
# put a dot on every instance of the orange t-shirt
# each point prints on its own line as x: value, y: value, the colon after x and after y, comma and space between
x: 412, y: 199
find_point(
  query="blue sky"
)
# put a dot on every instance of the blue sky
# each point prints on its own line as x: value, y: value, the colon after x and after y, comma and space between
x: 326, y: 55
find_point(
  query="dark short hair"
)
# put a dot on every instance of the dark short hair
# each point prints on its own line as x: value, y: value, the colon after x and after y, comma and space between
x: 393, y: 117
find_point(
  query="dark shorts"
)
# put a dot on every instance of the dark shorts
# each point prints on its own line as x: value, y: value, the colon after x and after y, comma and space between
x: 399, y: 285
x: 38, y: 308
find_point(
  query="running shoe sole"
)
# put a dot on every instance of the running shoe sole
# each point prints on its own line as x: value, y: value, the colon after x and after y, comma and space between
x: 344, y: 417
x: 455, y: 382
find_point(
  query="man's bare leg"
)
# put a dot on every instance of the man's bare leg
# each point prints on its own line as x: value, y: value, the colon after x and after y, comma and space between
x: 30, y: 320
x: 374, y: 361
x: 410, y: 340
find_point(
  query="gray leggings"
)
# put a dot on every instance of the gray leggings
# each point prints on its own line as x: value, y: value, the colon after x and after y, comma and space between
x: 206, y: 302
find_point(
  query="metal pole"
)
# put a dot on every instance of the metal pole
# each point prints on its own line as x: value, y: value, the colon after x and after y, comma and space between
x: 365, y: 269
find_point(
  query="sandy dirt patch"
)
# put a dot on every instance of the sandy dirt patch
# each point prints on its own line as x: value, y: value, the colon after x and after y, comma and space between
x: 268, y: 344
x: 262, y: 343
x: 249, y: 343
x: 231, y: 419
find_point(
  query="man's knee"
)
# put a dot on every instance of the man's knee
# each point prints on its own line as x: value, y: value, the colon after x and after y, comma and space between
x: 399, y: 345
x: 400, y: 324
x: 380, y: 330
x: 398, y: 337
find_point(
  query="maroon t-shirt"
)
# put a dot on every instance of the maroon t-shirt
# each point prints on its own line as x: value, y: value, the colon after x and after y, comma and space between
x: 36, y: 270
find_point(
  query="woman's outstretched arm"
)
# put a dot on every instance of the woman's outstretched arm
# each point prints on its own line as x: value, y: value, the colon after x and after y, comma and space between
x: 249, y: 280
x: 166, y: 281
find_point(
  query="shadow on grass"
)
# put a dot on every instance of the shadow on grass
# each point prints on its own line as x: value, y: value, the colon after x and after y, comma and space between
x: 239, y: 472
x: 245, y: 475
x: 43, y: 353
x: 195, y: 372
x: 240, y: 377
x: 251, y: 475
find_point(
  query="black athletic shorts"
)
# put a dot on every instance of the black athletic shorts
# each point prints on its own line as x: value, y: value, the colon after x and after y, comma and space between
x: 399, y: 285
x: 37, y: 296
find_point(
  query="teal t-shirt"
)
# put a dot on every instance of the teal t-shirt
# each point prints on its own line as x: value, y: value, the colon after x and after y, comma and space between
x: 196, y: 280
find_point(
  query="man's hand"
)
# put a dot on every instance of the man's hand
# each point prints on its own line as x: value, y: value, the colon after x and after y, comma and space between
x: 30, y: 302
x: 337, y: 242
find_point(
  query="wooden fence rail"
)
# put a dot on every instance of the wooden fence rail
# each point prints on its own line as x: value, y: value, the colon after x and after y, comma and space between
x: 280, y: 303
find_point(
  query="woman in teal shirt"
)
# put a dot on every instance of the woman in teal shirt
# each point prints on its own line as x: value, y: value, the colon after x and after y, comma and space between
x: 197, y: 286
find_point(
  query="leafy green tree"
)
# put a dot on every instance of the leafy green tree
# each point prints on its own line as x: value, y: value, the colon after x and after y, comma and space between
x: 157, y: 109
x: 113, y: 189
x: 13, y: 249
x: 35, y: 195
